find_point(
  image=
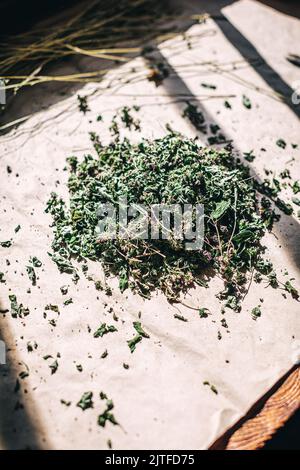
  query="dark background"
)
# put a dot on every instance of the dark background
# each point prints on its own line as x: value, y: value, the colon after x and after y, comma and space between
x: 19, y: 15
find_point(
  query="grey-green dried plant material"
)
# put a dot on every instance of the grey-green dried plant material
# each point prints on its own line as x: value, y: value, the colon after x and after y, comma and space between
x: 210, y: 86
x: 220, y: 209
x: 170, y: 170
x: 104, y: 354
x: 104, y: 329
x: 52, y: 307
x: 256, y: 312
x: 31, y: 274
x: 291, y: 289
x: 139, y: 329
x: 246, y: 102
x: 180, y: 317
x: 47, y: 356
x: 109, y: 443
x: 65, y: 402
x: 281, y: 143
x: 64, y: 290
x: 31, y: 346
x: 17, y: 310
x: 102, y: 396
x: 233, y: 303
x: 285, y: 174
x: 249, y: 156
x: 203, y: 312
x: 107, y: 415
x: 35, y: 262
x: 53, y: 367
x: 63, y: 264
x: 6, y: 244
x: 128, y: 120
x: 195, y: 116
x: 23, y: 374
x: 133, y: 342
x: 83, y: 104
x: 296, y: 187
x: 211, y: 386
x: 86, y: 401
x: 158, y: 73
x: 296, y: 200
x: 284, y: 206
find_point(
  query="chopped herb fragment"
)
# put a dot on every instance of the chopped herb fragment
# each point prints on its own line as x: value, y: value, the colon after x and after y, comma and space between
x: 31, y: 274
x: 65, y: 402
x: 256, y: 312
x: 104, y: 354
x: 249, y: 156
x: 180, y: 317
x: 83, y: 104
x: 6, y: 244
x: 281, y: 143
x: 209, y: 86
x: 138, y: 327
x: 107, y: 415
x: 247, y: 102
x: 86, y: 401
x: 291, y: 290
x: 104, y: 329
x: 17, y: 310
x: 53, y: 367
x: 133, y: 342
x: 35, y: 262
x: 203, y: 312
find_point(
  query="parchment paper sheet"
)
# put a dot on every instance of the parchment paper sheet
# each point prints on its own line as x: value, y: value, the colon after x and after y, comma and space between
x: 160, y: 401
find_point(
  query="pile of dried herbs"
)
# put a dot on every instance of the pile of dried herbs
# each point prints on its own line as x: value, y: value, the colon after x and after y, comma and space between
x: 171, y: 170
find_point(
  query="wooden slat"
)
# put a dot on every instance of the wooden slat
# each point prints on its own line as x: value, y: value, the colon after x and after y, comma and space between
x: 266, y: 416
x: 255, y: 432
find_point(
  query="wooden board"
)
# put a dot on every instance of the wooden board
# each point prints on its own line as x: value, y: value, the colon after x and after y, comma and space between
x: 260, y: 425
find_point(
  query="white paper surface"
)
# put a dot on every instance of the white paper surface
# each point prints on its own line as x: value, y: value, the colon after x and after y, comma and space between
x: 160, y: 401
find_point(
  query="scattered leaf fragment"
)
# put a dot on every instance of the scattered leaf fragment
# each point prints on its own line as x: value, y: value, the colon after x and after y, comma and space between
x: 203, y: 312
x: 138, y: 327
x: 291, y: 290
x: 53, y: 367
x: 107, y: 415
x: 104, y: 329
x: 6, y: 244
x: 86, y: 401
x: 180, y: 317
x: 256, y: 312
x: 281, y: 143
x: 247, y: 102
x: 133, y: 342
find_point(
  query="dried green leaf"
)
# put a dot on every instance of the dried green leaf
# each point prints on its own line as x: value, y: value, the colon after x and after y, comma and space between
x: 86, y: 401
